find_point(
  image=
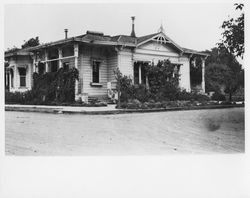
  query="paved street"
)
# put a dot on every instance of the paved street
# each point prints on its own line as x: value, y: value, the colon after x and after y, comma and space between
x: 178, y: 132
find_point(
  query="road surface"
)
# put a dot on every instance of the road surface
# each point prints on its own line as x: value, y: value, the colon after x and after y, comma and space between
x: 177, y: 132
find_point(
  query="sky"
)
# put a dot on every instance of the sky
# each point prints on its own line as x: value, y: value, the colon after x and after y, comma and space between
x: 192, y: 25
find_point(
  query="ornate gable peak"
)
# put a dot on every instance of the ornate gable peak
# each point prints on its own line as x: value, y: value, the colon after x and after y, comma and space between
x: 160, y: 38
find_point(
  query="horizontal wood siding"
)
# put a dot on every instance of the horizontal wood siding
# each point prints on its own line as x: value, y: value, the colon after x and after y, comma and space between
x: 85, y: 71
x: 185, y: 74
x: 112, y: 61
x: 125, y: 63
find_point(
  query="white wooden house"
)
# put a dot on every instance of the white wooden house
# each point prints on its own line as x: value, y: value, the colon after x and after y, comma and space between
x: 96, y: 56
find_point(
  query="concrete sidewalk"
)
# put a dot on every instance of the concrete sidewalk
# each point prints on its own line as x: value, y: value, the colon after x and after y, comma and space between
x: 61, y: 109
x: 110, y: 109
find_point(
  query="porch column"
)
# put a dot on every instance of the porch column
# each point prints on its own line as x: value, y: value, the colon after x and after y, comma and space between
x: 15, y: 77
x: 46, y: 59
x: 6, y: 81
x: 60, y: 56
x: 140, y: 73
x: 203, y: 74
x: 76, y: 54
x: 34, y: 63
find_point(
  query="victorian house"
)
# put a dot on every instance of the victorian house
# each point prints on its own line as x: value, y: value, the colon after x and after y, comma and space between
x: 96, y: 56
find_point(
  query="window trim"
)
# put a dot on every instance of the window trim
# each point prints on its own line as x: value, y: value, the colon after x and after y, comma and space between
x: 95, y: 84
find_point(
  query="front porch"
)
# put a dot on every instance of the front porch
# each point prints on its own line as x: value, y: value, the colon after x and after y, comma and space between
x: 197, y: 74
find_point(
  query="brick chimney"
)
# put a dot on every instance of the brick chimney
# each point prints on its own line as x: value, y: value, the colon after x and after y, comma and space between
x: 133, y: 27
x: 66, y: 33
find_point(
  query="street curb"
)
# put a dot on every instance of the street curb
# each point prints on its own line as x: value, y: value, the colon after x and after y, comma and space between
x: 116, y: 111
x: 33, y: 109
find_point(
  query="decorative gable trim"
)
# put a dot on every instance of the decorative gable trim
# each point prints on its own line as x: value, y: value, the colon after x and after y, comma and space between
x: 161, y: 38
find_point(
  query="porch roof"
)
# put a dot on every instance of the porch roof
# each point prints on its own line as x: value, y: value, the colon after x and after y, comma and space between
x: 191, y: 51
x: 17, y: 52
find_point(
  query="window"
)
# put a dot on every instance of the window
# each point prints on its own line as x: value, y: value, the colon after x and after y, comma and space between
x: 95, y: 71
x: 22, y: 73
x: 11, y: 78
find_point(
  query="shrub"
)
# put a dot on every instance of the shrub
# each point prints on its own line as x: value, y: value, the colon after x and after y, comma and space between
x: 124, y: 105
x: 200, y: 97
x: 158, y: 105
x: 163, y: 80
x: 57, y: 87
x: 131, y: 105
x: 14, y: 98
x: 218, y: 96
x: 141, y: 93
x: 184, y: 95
x: 226, y: 103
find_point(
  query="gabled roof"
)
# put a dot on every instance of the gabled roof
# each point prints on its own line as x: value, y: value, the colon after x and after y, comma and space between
x: 125, y: 39
x: 144, y: 39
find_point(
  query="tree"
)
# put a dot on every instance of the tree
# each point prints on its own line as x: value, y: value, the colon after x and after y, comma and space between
x: 162, y: 84
x: 31, y: 43
x: 223, y: 72
x: 233, y: 35
x: 214, y: 76
x: 163, y: 79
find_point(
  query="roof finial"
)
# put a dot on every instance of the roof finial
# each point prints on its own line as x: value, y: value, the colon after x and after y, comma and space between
x: 161, y: 29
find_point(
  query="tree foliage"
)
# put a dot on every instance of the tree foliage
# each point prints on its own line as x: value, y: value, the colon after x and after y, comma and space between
x: 32, y: 42
x: 163, y: 79
x: 49, y: 88
x: 162, y: 85
x: 233, y: 34
x: 56, y: 86
x: 216, y: 76
x: 223, y: 72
